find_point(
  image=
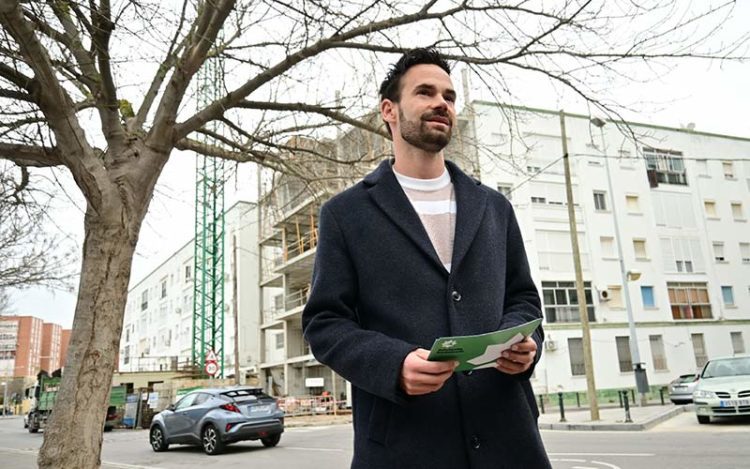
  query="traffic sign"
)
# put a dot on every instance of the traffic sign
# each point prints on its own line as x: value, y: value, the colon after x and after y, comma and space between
x: 211, y: 368
x: 211, y: 356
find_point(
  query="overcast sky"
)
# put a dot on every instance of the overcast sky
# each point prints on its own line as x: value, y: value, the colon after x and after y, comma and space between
x: 715, y: 97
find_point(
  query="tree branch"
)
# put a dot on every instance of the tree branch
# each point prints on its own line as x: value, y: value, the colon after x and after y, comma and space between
x: 30, y: 155
x: 312, y: 108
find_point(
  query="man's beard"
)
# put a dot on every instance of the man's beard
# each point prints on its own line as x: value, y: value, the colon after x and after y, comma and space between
x: 421, y: 136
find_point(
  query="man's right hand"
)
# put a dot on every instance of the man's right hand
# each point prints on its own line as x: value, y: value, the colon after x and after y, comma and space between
x: 420, y: 376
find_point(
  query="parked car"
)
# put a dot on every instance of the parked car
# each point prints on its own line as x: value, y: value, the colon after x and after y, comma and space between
x: 681, y: 389
x: 723, y: 389
x: 213, y: 418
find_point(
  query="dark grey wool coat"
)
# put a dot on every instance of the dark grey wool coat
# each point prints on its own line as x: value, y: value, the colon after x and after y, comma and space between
x: 379, y: 291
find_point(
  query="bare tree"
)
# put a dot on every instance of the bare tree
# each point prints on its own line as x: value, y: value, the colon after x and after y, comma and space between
x: 28, y: 255
x: 71, y: 95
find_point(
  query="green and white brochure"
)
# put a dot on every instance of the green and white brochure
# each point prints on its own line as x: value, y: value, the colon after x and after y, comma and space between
x: 474, y: 352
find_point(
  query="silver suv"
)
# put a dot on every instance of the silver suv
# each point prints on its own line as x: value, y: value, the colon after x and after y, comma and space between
x: 214, y: 418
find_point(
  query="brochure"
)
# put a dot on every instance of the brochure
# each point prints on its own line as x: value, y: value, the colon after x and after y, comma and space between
x: 474, y: 352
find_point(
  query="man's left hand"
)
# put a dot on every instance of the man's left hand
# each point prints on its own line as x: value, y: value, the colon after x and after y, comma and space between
x: 518, y: 358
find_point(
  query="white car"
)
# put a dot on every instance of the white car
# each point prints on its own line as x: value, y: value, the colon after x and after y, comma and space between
x: 723, y: 389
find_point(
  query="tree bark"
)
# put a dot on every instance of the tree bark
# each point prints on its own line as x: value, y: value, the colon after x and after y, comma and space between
x: 80, y: 408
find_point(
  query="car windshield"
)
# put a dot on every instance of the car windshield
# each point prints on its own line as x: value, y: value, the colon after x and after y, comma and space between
x: 686, y: 379
x: 727, y: 367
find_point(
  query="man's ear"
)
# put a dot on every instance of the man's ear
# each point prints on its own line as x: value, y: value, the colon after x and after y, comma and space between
x: 388, y: 112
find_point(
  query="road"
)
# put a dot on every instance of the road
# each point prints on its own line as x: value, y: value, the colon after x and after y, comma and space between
x: 680, y: 443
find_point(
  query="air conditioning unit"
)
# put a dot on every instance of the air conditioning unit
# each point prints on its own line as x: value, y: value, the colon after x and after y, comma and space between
x: 550, y: 345
x: 604, y: 294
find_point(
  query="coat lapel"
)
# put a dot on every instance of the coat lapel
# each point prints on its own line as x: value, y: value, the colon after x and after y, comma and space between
x: 471, y: 202
x: 387, y: 193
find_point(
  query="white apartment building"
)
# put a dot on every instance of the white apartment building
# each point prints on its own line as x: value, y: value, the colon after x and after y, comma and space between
x: 682, y: 199
x: 158, y: 327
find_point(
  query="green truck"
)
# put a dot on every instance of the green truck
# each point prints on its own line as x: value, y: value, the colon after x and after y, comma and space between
x: 43, y: 395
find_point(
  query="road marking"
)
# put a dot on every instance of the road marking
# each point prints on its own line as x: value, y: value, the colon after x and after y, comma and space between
x: 611, y: 466
x: 603, y: 454
x: 583, y: 467
x: 300, y: 448
x: 104, y: 463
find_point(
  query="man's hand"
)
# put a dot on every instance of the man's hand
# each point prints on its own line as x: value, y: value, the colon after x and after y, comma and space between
x: 419, y: 376
x: 518, y: 358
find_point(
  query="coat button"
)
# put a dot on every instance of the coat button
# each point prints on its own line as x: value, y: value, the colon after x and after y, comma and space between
x: 456, y: 296
x: 475, y: 443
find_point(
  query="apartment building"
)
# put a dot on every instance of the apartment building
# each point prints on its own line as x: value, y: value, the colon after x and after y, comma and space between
x: 681, y: 198
x: 51, y: 359
x: 158, y: 326
x: 20, y: 345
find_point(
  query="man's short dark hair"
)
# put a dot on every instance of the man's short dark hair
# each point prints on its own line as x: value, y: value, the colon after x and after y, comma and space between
x: 391, y: 86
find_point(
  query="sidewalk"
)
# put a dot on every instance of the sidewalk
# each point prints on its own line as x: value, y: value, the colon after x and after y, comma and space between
x: 611, y: 418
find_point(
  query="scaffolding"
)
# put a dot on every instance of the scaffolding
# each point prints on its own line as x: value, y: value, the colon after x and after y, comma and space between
x: 208, y: 288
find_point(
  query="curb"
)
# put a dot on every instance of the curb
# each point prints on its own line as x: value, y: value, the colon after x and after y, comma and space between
x: 297, y: 422
x: 636, y: 427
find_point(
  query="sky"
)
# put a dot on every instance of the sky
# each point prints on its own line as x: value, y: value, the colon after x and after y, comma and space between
x: 714, y: 97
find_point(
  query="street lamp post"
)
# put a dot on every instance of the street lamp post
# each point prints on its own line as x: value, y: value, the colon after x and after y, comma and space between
x: 5, y: 397
x: 641, y: 380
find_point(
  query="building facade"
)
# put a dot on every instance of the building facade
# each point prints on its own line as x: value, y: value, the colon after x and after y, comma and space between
x: 158, y: 326
x: 51, y: 343
x: 681, y: 199
x: 28, y: 345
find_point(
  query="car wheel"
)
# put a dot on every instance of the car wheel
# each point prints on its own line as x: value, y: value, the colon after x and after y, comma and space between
x: 157, y: 439
x: 704, y: 419
x: 271, y: 441
x: 211, y: 440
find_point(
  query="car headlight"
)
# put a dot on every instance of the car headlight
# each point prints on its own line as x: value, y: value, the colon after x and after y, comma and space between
x: 701, y: 394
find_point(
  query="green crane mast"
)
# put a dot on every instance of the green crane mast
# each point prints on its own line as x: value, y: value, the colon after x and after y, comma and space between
x: 208, y: 287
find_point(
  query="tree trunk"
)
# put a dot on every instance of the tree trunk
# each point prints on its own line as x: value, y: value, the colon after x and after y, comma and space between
x: 73, y: 438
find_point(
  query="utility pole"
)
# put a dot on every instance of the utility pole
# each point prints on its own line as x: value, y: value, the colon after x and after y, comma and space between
x: 234, y: 312
x: 582, y: 310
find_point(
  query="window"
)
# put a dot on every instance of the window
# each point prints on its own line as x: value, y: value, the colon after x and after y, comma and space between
x: 689, y: 300
x: 608, y: 246
x: 188, y: 273
x: 665, y: 167
x: 623, y: 354
x: 727, y: 295
x: 699, y: 350
x: 164, y: 288
x: 737, y: 212
x: 506, y: 190
x: 575, y: 351
x: 533, y: 169
x: 738, y: 344
x: 538, y: 200
x: 600, y: 200
x: 639, y: 246
x: 682, y: 254
x: 745, y: 253
x: 279, y: 341
x: 186, y: 401
x: 647, y: 294
x: 674, y: 210
x: 710, y: 207
x: 615, y: 296
x: 702, y: 167
x: 657, y: 352
x: 144, y: 300
x: 728, y: 168
x: 719, y: 251
x: 632, y: 204
x: 561, y: 302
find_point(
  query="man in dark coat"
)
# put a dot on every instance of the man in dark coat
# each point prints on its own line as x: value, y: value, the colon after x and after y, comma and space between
x: 416, y: 251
